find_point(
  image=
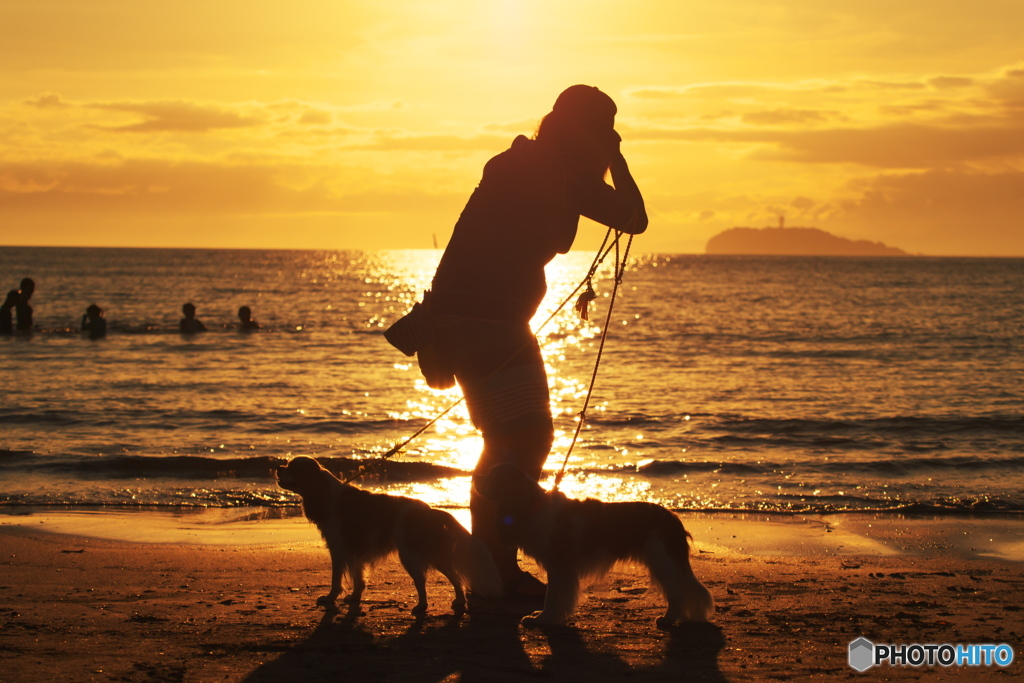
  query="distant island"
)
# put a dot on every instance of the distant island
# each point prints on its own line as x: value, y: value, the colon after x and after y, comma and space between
x: 784, y: 241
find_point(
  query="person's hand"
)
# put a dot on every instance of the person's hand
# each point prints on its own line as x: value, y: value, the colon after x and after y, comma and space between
x: 614, y: 140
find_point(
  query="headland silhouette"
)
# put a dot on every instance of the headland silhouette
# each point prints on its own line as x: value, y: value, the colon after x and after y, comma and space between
x: 796, y: 241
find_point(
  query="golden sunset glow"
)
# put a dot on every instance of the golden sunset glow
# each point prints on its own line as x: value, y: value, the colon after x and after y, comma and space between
x: 334, y: 125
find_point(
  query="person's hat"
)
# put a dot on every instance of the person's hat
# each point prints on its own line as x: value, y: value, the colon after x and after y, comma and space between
x: 584, y: 101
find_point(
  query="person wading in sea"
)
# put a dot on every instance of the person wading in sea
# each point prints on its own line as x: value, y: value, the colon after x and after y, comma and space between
x: 22, y: 308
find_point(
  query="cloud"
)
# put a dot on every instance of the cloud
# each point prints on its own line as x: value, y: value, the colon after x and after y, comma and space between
x: 385, y: 141
x: 930, y: 212
x: 900, y: 146
x: 748, y: 91
x: 522, y: 126
x: 663, y: 93
x: 941, y: 212
x: 1009, y: 88
x: 907, y: 146
x: 185, y: 117
x: 316, y: 117
x: 950, y: 82
x: 376, y: 106
x: 850, y: 92
x: 962, y: 193
x: 781, y: 117
x: 713, y: 91
x: 47, y: 101
x: 307, y: 126
x: 150, y: 186
x: 912, y: 109
x: 132, y: 184
x: 934, y: 121
x: 892, y: 85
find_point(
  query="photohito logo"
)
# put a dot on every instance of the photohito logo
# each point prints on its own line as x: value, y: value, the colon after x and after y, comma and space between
x: 864, y: 654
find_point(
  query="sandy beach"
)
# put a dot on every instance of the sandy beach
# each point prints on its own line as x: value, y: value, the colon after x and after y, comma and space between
x: 229, y: 596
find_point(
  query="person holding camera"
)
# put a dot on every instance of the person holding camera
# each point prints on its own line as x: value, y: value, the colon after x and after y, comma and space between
x: 490, y: 282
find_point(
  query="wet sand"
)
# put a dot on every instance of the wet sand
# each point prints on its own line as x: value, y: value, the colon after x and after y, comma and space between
x: 229, y: 596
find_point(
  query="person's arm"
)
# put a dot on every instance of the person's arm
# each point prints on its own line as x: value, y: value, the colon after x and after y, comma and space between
x: 620, y: 207
x: 628, y: 194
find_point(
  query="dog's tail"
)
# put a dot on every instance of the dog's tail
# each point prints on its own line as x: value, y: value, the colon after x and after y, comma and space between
x: 698, y: 603
x: 691, y: 599
x: 474, y: 563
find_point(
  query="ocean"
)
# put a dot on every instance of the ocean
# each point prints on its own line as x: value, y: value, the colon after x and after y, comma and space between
x: 728, y: 383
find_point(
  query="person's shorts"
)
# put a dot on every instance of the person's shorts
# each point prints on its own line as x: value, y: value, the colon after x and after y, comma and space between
x: 499, y: 366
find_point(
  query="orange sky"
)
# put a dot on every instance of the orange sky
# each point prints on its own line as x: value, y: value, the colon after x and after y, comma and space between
x: 333, y: 124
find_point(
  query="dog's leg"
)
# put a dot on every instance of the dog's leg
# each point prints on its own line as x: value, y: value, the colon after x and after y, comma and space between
x: 416, y: 565
x: 559, y: 602
x: 358, y: 584
x: 688, y: 598
x: 459, y: 603
x: 666, y: 574
x: 355, y: 571
x: 475, y: 566
x: 337, y: 569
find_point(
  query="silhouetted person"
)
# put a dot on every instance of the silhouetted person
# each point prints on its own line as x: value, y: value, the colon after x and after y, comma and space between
x: 490, y: 282
x: 245, y: 321
x: 7, y: 312
x: 190, y: 324
x: 94, y: 325
x: 22, y: 309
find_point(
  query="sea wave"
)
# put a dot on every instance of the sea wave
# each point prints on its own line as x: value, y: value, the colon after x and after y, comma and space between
x: 823, y: 486
x: 934, y: 424
x: 906, y: 466
x: 240, y: 421
x: 205, y: 468
x: 369, y: 326
x: 269, y: 496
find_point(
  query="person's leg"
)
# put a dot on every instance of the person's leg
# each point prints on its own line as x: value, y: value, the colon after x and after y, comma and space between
x: 500, y: 369
x: 526, y: 443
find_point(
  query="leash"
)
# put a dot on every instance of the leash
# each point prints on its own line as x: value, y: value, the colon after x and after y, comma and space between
x: 397, y: 448
x: 620, y: 269
x: 581, y: 308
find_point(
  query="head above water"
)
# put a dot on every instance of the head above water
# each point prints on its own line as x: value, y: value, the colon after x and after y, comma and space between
x: 189, y: 310
x: 28, y: 286
x: 244, y: 313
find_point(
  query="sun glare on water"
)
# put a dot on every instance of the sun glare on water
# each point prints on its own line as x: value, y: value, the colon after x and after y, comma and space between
x: 568, y: 344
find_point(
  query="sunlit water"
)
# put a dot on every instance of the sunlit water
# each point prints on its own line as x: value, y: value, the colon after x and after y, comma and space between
x: 740, y: 383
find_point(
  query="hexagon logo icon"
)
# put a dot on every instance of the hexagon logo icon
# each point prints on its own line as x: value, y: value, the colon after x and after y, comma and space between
x: 862, y: 654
